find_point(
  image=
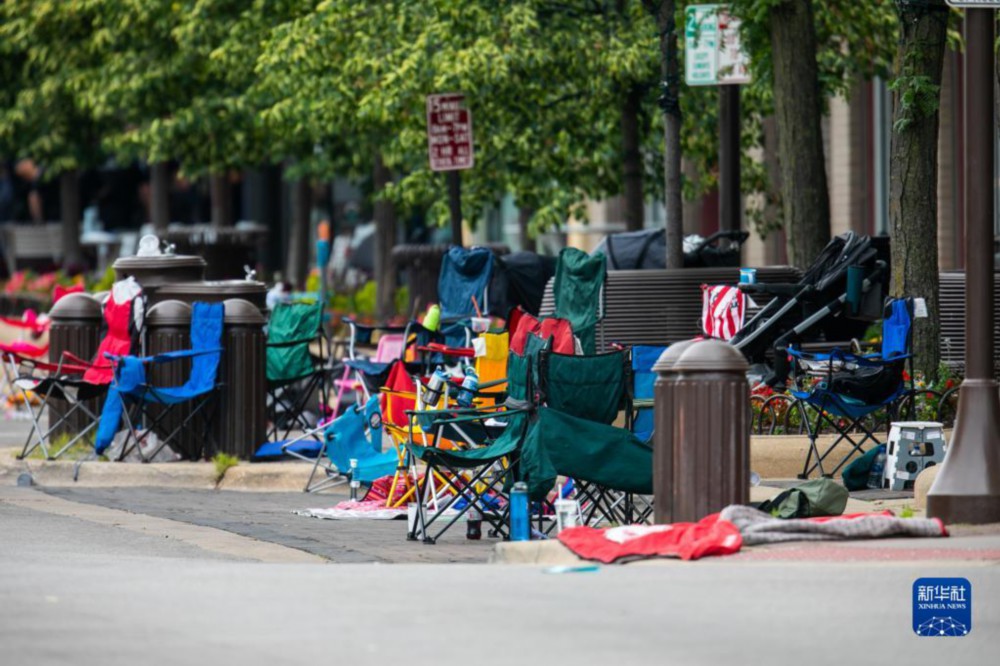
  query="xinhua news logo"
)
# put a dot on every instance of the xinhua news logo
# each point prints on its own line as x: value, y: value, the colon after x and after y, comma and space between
x: 942, y: 607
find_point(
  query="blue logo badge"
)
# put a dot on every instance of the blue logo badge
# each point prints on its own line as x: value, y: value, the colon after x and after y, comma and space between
x: 942, y: 607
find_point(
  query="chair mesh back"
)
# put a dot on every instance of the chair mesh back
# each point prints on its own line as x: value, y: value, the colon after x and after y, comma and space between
x: 296, y: 323
x: 896, y: 329
x: 117, y: 341
x: 588, y: 387
x: 206, y: 333
x: 465, y: 273
x: 577, y: 291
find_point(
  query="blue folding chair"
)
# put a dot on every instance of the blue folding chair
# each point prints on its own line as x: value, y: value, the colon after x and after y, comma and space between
x: 130, y: 389
x: 352, y: 448
x: 465, y: 275
x: 643, y: 380
x: 853, y: 387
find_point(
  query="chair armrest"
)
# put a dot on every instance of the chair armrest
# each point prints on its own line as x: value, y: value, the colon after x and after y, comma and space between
x: 291, y: 343
x: 167, y: 357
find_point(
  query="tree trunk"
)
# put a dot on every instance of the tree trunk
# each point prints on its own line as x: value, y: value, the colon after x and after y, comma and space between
x: 527, y: 243
x: 385, y: 239
x: 913, y: 170
x: 159, y: 185
x: 632, y: 159
x: 69, y: 204
x: 297, y: 265
x: 222, y: 200
x: 798, y: 112
x: 670, y: 85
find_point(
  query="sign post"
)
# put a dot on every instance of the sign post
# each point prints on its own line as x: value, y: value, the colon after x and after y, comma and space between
x: 449, y: 148
x: 713, y: 56
x: 967, y: 489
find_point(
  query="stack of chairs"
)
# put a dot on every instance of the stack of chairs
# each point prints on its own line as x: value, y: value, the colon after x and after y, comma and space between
x: 74, y: 381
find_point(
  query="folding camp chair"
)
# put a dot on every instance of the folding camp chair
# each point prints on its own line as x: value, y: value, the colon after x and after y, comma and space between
x: 579, y: 294
x: 572, y: 435
x: 294, y: 373
x: 146, y: 407
x: 469, y: 456
x: 854, y: 387
x: 10, y: 354
x: 643, y: 380
x: 367, y: 376
x: 464, y: 281
x: 75, y: 381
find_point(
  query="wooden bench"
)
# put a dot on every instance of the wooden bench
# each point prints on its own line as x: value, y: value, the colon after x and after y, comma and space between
x: 31, y: 244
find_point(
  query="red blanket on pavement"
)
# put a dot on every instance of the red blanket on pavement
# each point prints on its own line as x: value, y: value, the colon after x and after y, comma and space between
x: 688, y: 541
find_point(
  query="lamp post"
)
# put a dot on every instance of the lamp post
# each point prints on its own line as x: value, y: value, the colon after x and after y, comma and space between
x: 967, y: 489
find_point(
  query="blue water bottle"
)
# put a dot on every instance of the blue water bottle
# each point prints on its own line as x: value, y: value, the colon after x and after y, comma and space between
x: 470, y: 384
x: 519, y: 521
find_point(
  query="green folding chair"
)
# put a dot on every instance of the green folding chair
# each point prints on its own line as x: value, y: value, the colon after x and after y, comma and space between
x: 294, y: 372
x: 579, y: 294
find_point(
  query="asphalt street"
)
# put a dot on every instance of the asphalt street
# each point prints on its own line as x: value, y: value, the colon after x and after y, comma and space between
x: 74, y: 591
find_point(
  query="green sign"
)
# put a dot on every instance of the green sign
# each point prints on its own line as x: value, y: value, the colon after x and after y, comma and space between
x: 701, y: 44
x: 713, y: 54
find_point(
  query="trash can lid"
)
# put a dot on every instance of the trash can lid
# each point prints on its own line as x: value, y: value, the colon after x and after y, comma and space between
x: 169, y: 313
x: 76, y: 306
x: 234, y: 288
x: 160, y: 262
x: 240, y: 311
x: 711, y: 356
x: 669, y: 357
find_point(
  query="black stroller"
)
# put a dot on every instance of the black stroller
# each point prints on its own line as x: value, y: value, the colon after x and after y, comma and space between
x: 836, y: 300
x: 647, y: 250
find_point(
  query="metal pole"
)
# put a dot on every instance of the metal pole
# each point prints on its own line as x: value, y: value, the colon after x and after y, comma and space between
x: 967, y: 489
x: 455, y: 205
x: 730, y: 207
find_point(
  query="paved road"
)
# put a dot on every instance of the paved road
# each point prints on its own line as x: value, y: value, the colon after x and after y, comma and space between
x: 268, y: 517
x: 75, y: 591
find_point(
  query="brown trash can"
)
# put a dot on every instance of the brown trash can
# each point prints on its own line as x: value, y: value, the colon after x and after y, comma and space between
x: 215, y: 291
x: 241, y: 419
x: 168, y: 328
x: 710, y: 432
x: 663, y: 434
x: 154, y: 272
x: 75, y: 328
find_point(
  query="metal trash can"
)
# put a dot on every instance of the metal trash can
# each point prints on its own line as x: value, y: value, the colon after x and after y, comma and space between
x: 241, y: 418
x: 75, y: 328
x: 710, y: 432
x: 168, y: 328
x: 663, y: 434
x: 216, y: 291
x: 155, y: 272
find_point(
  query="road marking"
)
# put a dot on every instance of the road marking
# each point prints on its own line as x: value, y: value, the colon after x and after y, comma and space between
x: 206, y: 538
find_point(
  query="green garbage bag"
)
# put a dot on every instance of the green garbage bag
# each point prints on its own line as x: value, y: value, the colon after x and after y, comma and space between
x: 855, y: 475
x: 818, y: 497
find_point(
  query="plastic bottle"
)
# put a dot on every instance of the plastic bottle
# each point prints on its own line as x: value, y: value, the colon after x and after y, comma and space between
x: 469, y: 386
x: 432, y: 394
x: 474, y: 524
x: 875, y: 475
x: 519, y: 520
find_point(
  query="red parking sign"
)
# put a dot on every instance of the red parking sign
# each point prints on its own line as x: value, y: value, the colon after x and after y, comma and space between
x: 449, y: 132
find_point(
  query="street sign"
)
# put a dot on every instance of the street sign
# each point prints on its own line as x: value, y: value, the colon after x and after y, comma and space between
x: 974, y: 4
x: 449, y: 133
x: 713, y: 54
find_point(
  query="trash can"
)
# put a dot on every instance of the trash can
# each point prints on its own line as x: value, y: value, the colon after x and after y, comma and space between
x: 241, y: 418
x: 168, y: 328
x: 75, y: 328
x: 710, y: 430
x: 663, y: 419
x: 154, y: 272
x: 215, y: 291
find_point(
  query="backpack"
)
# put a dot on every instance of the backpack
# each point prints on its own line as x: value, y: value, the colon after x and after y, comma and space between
x: 818, y: 497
